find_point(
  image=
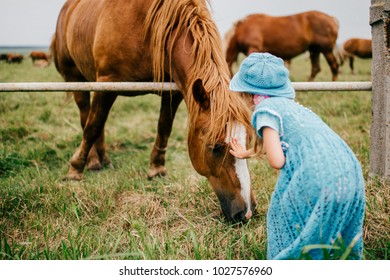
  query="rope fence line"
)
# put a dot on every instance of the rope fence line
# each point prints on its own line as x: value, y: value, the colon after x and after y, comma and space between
x: 156, y: 87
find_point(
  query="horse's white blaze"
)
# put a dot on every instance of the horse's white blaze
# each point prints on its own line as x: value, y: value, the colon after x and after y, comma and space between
x: 242, y: 170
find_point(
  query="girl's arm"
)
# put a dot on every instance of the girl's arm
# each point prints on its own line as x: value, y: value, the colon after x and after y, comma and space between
x: 273, y: 148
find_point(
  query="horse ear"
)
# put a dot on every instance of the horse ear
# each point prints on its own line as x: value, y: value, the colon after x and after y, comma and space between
x: 200, y: 95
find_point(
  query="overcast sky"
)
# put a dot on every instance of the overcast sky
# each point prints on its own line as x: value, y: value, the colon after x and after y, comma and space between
x: 32, y: 22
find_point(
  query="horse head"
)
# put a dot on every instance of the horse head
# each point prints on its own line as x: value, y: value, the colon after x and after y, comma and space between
x: 209, y: 153
x: 189, y: 40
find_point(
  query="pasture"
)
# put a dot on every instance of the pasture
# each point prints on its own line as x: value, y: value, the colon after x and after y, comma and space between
x: 118, y: 213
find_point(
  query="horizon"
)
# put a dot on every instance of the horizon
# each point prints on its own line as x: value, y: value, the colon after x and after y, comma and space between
x: 24, y: 46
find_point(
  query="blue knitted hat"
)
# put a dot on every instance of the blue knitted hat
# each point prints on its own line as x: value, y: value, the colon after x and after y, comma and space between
x: 265, y: 74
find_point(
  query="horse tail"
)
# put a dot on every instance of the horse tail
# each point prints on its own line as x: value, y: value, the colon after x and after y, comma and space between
x: 53, y: 55
x: 339, y: 53
x: 337, y: 22
x: 52, y: 49
x: 227, y: 37
x: 231, y: 48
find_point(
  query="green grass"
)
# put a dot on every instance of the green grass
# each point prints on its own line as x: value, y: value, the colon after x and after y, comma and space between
x: 119, y: 214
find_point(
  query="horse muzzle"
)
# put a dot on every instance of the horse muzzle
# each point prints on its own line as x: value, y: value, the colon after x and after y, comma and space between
x: 237, y: 212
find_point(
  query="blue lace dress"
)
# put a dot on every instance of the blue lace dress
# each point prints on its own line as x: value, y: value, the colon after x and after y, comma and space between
x: 319, y: 196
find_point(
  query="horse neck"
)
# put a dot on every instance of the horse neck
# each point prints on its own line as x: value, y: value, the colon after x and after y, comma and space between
x: 185, y: 43
x: 186, y: 66
x: 179, y: 64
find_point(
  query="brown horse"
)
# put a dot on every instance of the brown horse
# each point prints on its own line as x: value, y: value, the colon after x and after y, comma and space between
x: 14, y: 58
x: 286, y: 37
x: 358, y: 47
x: 146, y: 40
x: 39, y: 55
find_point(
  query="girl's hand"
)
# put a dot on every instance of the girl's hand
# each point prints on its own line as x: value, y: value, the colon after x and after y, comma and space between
x: 238, y: 150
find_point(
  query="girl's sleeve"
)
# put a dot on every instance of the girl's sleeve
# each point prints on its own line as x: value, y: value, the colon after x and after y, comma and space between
x: 267, y: 118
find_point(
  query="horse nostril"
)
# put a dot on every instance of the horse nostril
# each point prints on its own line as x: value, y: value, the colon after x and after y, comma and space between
x: 248, y: 214
x: 242, y: 216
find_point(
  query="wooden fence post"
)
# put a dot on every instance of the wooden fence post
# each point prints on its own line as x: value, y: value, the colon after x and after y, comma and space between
x: 380, y: 75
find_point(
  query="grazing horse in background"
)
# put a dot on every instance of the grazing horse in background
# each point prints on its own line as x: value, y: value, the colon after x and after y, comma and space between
x: 14, y: 58
x: 286, y: 37
x: 38, y: 55
x: 153, y: 40
x: 358, y: 47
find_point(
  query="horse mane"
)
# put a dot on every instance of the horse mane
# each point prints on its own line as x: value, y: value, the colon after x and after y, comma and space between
x: 192, y: 18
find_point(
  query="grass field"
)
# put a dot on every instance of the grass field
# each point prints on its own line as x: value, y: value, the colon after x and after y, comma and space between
x: 119, y: 214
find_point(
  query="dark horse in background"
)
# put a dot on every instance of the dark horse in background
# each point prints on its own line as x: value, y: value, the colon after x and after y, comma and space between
x: 286, y: 37
x: 153, y: 40
x: 3, y: 56
x: 14, y: 58
x: 358, y: 47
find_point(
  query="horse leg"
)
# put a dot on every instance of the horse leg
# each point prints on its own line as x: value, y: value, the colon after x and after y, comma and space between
x: 93, y: 129
x: 100, y: 148
x: 334, y: 66
x: 315, y: 64
x: 169, y: 105
x: 82, y: 100
x: 351, y: 64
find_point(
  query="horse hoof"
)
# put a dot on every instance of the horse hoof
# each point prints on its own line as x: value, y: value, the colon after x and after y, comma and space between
x: 106, y: 160
x: 157, y: 172
x: 94, y: 166
x: 73, y: 177
x: 110, y: 166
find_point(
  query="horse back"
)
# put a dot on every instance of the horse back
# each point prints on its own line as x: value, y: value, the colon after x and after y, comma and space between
x: 360, y: 47
x: 58, y: 47
x: 284, y: 36
x: 102, y: 40
x: 323, y: 29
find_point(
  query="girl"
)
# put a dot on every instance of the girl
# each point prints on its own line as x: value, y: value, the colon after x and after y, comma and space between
x: 319, y: 197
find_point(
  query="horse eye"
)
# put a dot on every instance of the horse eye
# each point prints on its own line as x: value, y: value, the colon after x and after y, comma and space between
x: 218, y: 149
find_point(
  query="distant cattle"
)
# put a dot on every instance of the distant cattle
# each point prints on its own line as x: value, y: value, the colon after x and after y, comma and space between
x: 286, y: 37
x: 14, y: 58
x: 38, y: 55
x: 40, y: 59
x: 358, y: 47
x: 3, y: 57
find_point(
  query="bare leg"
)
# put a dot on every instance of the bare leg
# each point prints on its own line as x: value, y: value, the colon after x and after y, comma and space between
x: 169, y: 105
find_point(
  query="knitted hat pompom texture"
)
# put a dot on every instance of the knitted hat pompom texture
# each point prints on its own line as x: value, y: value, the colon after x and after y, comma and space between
x: 265, y: 74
